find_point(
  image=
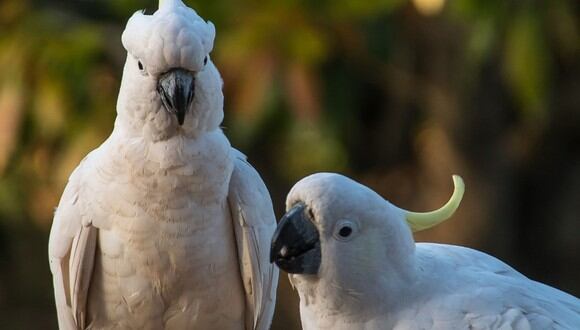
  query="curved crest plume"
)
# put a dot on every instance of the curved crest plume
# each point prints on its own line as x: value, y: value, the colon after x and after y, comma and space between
x: 422, y: 220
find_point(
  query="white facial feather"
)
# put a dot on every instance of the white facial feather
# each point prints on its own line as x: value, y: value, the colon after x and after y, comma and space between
x: 380, y: 239
x: 335, y: 200
x: 173, y: 37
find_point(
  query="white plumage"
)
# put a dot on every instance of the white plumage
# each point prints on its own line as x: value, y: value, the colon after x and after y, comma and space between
x: 165, y: 225
x: 374, y: 276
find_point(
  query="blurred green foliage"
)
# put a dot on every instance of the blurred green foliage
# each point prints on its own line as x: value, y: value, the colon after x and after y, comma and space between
x: 399, y: 94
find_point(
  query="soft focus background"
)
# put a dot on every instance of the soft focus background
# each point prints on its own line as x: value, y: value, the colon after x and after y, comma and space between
x: 397, y: 94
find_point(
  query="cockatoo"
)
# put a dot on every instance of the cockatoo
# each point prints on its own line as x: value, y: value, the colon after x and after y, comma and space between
x: 352, y: 258
x: 165, y: 225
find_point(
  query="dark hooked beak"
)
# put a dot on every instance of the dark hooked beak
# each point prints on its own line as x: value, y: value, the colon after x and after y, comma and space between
x: 176, y: 88
x: 296, y: 243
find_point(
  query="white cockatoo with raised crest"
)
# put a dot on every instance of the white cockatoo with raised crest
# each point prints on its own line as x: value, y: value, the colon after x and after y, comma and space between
x: 352, y: 258
x: 165, y: 225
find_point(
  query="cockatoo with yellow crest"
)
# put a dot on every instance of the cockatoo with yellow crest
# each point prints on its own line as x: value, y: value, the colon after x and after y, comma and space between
x: 165, y: 225
x: 352, y: 258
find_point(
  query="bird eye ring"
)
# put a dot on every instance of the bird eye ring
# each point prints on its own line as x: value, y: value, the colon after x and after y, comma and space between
x: 344, y: 230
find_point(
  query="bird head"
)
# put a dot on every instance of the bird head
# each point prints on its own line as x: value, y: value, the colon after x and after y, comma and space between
x: 170, y: 84
x: 340, y: 230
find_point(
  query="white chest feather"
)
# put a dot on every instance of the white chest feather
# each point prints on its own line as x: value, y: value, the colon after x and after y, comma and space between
x: 166, y: 242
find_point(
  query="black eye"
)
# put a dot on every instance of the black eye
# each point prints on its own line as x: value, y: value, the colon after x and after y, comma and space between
x: 345, y: 231
x: 205, y: 61
x: 140, y: 65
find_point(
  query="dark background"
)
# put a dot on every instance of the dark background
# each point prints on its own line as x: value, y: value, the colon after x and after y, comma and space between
x: 397, y: 94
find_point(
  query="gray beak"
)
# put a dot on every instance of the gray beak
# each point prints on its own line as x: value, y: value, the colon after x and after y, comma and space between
x: 176, y: 88
x: 296, y: 243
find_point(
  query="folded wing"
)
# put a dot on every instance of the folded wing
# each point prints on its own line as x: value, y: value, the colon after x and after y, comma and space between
x: 254, y: 224
x: 71, y: 251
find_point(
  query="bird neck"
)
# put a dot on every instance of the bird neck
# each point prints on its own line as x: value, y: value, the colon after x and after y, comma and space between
x: 376, y: 292
x: 161, y: 169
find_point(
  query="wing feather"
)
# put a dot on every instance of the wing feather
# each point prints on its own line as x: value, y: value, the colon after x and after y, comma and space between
x: 72, y: 246
x: 479, y: 291
x: 254, y: 224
